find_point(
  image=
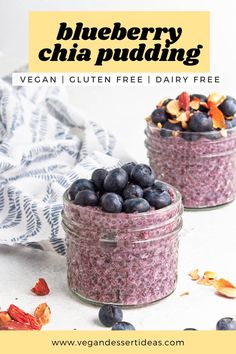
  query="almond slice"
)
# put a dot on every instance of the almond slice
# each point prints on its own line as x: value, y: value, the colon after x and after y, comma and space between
x: 42, y: 313
x: 210, y: 275
x: 194, y: 274
x: 205, y: 281
x: 185, y: 293
x: 160, y: 103
x: 223, y: 283
x: 195, y: 103
x: 173, y: 108
x: 228, y: 292
x: 216, y: 98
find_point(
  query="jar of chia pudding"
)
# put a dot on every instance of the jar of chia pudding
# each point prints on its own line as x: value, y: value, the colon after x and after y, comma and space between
x: 192, y: 145
x: 122, y: 258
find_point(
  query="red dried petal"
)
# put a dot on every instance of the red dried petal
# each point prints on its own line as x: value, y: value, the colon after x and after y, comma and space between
x: 217, y: 116
x: 22, y: 317
x: 41, y: 288
x: 15, y: 326
x: 184, y: 101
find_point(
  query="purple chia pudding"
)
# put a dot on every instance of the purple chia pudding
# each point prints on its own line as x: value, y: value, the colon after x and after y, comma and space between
x: 204, y: 171
x: 124, y: 259
x: 200, y: 164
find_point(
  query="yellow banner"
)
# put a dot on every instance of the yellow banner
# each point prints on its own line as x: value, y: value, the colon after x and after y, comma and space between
x: 119, y: 42
x: 107, y: 341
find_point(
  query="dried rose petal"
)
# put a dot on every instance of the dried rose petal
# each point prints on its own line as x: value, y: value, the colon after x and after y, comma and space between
x: 42, y: 313
x: 22, y: 317
x: 184, y: 101
x: 41, y: 288
x: 173, y: 108
x: 15, y: 326
x: 217, y: 116
x: 4, y: 318
x: 194, y: 274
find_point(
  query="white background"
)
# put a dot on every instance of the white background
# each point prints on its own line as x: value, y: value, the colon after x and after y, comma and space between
x: 209, y: 237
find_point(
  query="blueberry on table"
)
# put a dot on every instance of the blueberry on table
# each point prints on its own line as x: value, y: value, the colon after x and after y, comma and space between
x: 132, y: 191
x: 202, y: 98
x: 86, y: 198
x: 116, y: 180
x: 98, y: 177
x: 111, y: 203
x: 159, y: 115
x: 200, y: 122
x: 136, y: 205
x: 123, y: 326
x: 109, y: 315
x: 226, y: 324
x: 228, y: 106
x: 168, y: 128
x: 128, y: 167
x: 80, y: 185
x: 156, y: 198
x: 143, y: 175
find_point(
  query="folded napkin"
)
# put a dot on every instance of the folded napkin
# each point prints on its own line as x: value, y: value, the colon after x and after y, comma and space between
x: 45, y: 144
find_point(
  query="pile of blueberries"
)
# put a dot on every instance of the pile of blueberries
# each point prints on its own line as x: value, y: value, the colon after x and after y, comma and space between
x: 130, y: 189
x: 200, y: 121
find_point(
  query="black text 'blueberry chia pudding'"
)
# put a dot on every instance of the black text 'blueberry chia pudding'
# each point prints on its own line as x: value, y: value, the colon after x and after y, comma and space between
x: 122, y: 231
x: 191, y: 143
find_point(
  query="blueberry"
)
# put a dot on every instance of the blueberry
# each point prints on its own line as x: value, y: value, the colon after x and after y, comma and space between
x: 80, y: 185
x: 86, y: 198
x: 226, y: 324
x: 116, y: 180
x: 190, y: 136
x: 159, y: 115
x: 230, y: 123
x: 132, y: 191
x: 202, y: 98
x: 190, y: 329
x: 160, y: 186
x: 111, y: 203
x: 213, y: 135
x: 143, y: 175
x: 168, y: 127
x: 98, y: 177
x: 156, y: 198
x: 128, y: 167
x: 200, y: 122
x: 228, y: 106
x: 109, y: 315
x: 134, y: 205
x: 123, y: 326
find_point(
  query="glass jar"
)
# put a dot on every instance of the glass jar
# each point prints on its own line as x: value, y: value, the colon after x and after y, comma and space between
x: 122, y: 259
x: 202, y: 166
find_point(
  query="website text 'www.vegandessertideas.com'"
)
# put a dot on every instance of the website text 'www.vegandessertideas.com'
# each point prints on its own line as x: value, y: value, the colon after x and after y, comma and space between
x: 89, y: 343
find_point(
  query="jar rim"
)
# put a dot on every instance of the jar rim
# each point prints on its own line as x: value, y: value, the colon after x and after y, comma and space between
x: 96, y: 211
x: 183, y: 132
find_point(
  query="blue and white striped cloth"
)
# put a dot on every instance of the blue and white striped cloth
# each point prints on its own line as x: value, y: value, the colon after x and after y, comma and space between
x: 45, y: 145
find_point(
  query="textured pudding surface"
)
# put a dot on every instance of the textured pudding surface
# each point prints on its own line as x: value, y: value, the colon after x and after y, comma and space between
x: 126, y: 259
x: 204, y: 171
